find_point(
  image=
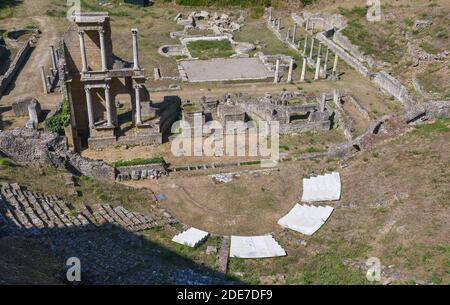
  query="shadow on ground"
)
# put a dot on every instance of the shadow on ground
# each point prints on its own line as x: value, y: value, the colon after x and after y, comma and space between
x: 108, y: 254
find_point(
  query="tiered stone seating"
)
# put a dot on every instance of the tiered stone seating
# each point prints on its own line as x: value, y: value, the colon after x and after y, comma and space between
x: 322, y: 188
x: 306, y: 219
x: 36, y: 213
x: 255, y: 247
x: 192, y: 237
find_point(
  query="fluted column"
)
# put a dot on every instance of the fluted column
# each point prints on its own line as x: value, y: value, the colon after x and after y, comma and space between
x: 302, y: 77
x: 325, y: 65
x: 306, y: 44
x: 103, y: 49
x: 90, y: 108
x: 44, y: 80
x: 312, y: 48
x: 83, y: 52
x: 316, y: 75
x: 291, y: 67
x: 277, y: 67
x: 335, y: 63
x: 109, y: 117
x: 294, y: 32
x: 137, y: 98
x: 134, y: 33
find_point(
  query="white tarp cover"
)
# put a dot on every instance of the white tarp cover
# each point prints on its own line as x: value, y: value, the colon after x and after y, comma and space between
x: 191, y: 237
x: 306, y: 219
x: 255, y: 247
x: 322, y: 188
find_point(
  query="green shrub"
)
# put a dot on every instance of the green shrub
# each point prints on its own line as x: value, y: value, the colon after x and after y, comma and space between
x: 204, y: 49
x: 60, y: 120
x: 4, y: 162
x: 257, y: 12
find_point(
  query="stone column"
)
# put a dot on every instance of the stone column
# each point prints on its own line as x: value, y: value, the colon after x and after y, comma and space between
x: 288, y: 34
x: 52, y: 54
x: 312, y: 29
x: 323, y: 102
x: 291, y: 67
x: 270, y: 14
x: 109, y: 117
x: 277, y: 67
x: 319, y: 51
x: 325, y: 65
x: 83, y: 52
x: 103, y: 49
x: 294, y: 32
x: 306, y: 44
x: 316, y: 75
x: 299, y: 45
x: 307, y: 26
x: 312, y: 48
x: 336, y: 96
x: 135, y: 50
x: 90, y: 108
x: 302, y: 77
x: 279, y: 24
x: 335, y: 63
x: 44, y: 80
x: 137, y: 100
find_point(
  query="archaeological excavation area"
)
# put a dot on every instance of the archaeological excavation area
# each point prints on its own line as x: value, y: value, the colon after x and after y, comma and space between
x: 162, y: 143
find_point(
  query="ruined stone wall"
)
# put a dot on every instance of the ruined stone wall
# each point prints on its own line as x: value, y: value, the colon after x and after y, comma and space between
x: 140, y: 172
x: 16, y: 64
x: 391, y: 86
x: 309, y: 126
x: 32, y: 147
x: 342, y: 53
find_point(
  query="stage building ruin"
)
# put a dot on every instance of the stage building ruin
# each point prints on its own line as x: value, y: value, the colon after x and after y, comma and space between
x: 108, y: 99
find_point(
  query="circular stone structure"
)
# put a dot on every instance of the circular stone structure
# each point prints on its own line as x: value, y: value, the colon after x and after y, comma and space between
x: 174, y: 50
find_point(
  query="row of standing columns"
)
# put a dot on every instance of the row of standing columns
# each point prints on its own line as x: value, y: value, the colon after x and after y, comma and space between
x: 104, y: 60
x: 110, y: 121
x: 290, y: 38
x: 304, y: 65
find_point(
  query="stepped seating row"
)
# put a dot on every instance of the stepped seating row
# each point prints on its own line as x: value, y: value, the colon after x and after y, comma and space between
x: 322, y: 188
x: 306, y: 219
x: 35, y: 213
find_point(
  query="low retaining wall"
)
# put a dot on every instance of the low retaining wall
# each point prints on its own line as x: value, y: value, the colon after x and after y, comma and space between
x: 140, y: 172
x: 391, y: 86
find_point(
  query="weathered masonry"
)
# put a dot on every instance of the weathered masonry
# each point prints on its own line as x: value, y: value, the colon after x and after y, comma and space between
x: 97, y: 84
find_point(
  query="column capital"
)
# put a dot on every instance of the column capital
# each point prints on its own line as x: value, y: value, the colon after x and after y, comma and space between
x: 101, y: 31
x: 134, y: 31
x: 87, y: 89
x: 137, y: 86
x: 81, y: 32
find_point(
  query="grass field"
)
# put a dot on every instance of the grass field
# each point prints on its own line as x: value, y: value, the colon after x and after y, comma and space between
x: 203, y: 49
